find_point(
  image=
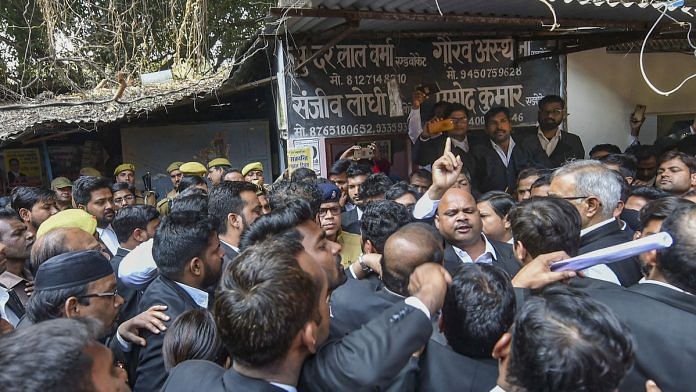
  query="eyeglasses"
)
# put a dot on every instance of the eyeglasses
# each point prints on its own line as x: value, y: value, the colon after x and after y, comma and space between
x: 459, y: 119
x: 112, y: 294
x: 334, y: 211
x: 126, y: 198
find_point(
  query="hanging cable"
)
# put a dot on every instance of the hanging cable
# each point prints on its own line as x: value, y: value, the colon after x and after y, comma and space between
x: 642, y: 65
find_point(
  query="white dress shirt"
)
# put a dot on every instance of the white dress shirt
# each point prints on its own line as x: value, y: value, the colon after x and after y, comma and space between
x: 425, y: 207
x: 138, y: 268
x: 549, y: 145
x: 663, y: 284
x: 234, y: 248
x: 108, y: 236
x: 504, y: 156
x: 600, y: 271
x: 464, y: 144
x: 487, y: 257
x: 200, y: 297
x: 5, y: 312
x: 286, y: 387
x: 497, y: 389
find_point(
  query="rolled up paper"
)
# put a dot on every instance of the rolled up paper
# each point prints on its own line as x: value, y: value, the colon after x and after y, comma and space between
x: 614, y: 253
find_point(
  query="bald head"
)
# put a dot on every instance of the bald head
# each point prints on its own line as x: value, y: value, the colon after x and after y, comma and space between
x: 411, y: 246
x: 458, y: 218
x: 59, y: 241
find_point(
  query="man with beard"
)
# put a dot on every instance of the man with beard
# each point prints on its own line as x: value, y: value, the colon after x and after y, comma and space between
x: 15, y: 278
x: 676, y: 173
x: 93, y: 194
x: 34, y: 205
x: 187, y: 252
x: 63, y: 189
x: 500, y: 160
x: 551, y: 147
x: 236, y: 206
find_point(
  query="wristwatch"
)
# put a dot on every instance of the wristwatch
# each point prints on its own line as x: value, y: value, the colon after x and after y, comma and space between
x: 365, y: 268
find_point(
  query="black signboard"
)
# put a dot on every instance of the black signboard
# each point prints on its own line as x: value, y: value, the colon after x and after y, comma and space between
x: 361, y: 87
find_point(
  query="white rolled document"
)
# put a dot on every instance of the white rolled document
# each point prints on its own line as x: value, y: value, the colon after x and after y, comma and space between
x: 614, y: 253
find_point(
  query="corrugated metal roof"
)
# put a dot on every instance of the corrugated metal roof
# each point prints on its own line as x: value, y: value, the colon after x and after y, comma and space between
x: 644, y: 12
x: 17, y: 120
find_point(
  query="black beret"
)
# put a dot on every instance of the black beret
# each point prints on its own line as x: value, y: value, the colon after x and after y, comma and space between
x: 72, y: 269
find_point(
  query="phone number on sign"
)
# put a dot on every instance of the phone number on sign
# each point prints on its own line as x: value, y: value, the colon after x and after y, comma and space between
x: 365, y: 80
x: 350, y: 130
x: 484, y: 73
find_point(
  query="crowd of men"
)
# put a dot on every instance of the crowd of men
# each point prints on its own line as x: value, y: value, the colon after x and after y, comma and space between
x: 357, y: 281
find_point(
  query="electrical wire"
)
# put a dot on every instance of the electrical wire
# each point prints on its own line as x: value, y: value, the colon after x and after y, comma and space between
x: 642, y: 65
x: 553, y: 12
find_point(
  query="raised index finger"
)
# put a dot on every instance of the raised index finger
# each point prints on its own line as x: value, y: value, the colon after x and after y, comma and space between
x: 448, y: 146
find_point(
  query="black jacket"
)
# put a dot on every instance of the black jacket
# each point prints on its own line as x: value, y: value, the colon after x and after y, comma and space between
x: 196, y: 375
x: 350, y: 222
x: 357, y: 302
x: 628, y: 270
x: 151, y: 373
x: 568, y: 148
x: 426, y: 152
x: 491, y: 174
x: 442, y: 369
x: 505, y: 258
x: 662, y: 322
x: 371, y: 357
x: 230, y: 255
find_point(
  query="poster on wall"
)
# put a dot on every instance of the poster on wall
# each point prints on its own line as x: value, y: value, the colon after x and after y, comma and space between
x: 364, y: 87
x: 23, y: 167
x: 299, y: 157
x: 315, y: 152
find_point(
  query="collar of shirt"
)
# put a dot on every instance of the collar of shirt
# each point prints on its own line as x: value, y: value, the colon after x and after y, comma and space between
x: 393, y: 293
x: 663, y: 284
x: 359, y: 212
x: 464, y: 144
x: 108, y: 237
x: 200, y: 297
x: 549, y: 145
x: 288, y: 388
x: 596, y: 226
x: 231, y: 246
x: 497, y: 388
x: 487, y: 257
x: 504, y: 156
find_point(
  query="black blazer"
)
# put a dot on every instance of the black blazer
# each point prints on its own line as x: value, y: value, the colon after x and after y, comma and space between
x: 491, y: 174
x: 662, y: 322
x: 350, y: 222
x: 151, y: 373
x: 568, y: 148
x: 426, y: 152
x: 442, y: 369
x: 197, y: 375
x: 356, y: 302
x: 230, y: 255
x: 505, y: 258
x: 628, y: 270
x: 371, y: 357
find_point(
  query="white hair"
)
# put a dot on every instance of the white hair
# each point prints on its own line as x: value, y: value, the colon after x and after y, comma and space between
x: 592, y: 178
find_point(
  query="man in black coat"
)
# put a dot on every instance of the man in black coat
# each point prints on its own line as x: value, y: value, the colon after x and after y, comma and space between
x: 189, y: 259
x: 550, y: 147
x: 429, y: 145
x: 350, y: 220
x: 133, y: 225
x: 499, y: 161
x: 661, y: 309
x: 459, y: 222
x: 595, y: 191
x: 359, y: 301
x: 479, y: 308
x: 236, y: 206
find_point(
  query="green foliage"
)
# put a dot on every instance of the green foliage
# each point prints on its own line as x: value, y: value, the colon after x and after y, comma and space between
x: 72, y: 45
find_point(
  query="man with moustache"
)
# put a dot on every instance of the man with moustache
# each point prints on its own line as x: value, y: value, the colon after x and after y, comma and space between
x: 551, y: 147
x: 17, y: 241
x: 63, y: 189
x: 330, y: 221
